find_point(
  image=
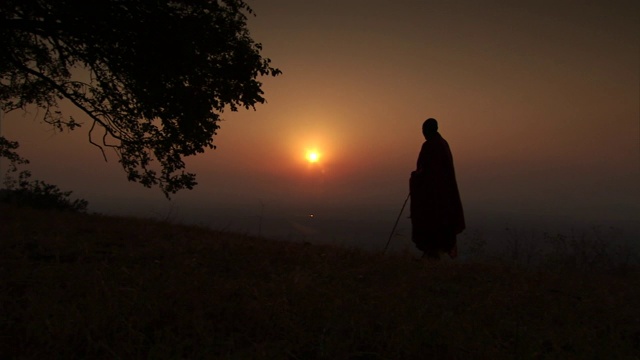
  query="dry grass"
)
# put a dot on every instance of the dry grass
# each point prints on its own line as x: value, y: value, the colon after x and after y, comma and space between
x: 93, y: 287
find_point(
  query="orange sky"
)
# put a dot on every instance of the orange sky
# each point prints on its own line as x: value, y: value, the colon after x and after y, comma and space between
x: 539, y: 101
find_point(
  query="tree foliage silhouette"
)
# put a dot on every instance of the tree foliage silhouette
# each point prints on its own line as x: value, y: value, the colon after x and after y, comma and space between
x: 153, y: 77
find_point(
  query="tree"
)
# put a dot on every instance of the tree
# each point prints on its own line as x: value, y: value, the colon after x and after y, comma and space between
x: 153, y: 77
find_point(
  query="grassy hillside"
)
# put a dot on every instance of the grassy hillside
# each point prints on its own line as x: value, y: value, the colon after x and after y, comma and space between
x: 97, y: 287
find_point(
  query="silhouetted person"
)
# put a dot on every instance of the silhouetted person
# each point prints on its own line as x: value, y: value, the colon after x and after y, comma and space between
x: 436, y: 209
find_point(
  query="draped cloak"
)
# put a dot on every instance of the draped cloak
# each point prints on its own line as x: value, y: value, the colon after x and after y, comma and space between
x: 436, y: 210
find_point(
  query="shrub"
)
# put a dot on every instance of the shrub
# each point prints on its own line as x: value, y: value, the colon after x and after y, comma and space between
x: 32, y: 193
x: 41, y: 195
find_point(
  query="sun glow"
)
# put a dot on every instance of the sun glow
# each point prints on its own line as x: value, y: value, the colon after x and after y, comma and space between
x: 313, y: 156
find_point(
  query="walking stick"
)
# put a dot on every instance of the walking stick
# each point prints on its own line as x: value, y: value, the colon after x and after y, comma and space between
x: 396, y: 224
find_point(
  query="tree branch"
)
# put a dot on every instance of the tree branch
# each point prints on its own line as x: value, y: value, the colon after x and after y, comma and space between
x: 59, y: 88
x: 64, y: 93
x: 94, y: 144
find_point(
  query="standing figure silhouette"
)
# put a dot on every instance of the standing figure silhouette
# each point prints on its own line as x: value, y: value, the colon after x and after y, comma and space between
x: 436, y: 209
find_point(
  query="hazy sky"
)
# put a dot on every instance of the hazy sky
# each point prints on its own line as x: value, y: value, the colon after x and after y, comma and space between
x: 539, y: 101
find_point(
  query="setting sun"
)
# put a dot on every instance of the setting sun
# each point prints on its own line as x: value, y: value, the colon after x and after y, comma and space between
x: 313, y: 156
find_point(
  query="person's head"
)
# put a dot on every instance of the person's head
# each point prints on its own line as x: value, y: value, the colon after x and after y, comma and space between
x: 429, y: 127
